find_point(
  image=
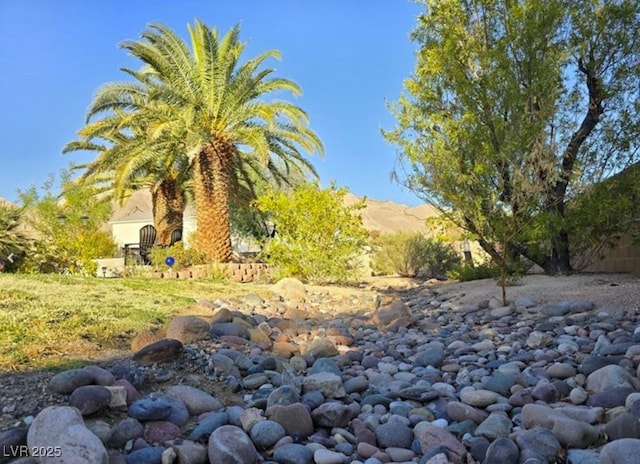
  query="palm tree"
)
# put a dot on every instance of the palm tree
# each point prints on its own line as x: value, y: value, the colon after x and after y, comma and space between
x: 218, y: 106
x: 131, y: 157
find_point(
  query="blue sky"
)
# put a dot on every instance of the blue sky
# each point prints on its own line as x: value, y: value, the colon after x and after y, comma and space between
x: 349, y: 57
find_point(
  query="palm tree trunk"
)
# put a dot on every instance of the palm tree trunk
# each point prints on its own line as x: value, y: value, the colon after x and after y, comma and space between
x: 168, y: 209
x: 212, y: 185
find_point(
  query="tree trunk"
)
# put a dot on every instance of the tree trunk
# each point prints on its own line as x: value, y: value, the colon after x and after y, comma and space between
x: 168, y: 210
x: 212, y: 183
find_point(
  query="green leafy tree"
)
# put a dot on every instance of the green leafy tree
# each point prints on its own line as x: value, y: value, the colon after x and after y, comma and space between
x: 68, y: 228
x: 14, y: 244
x: 219, y: 108
x: 318, y: 239
x: 515, y: 108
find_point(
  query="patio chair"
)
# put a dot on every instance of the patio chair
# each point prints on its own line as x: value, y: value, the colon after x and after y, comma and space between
x: 147, y: 240
x: 176, y: 236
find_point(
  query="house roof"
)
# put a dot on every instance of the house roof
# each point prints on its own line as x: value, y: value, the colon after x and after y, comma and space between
x: 138, y: 208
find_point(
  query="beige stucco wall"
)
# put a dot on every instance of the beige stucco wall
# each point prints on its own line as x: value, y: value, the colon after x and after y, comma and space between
x: 625, y: 257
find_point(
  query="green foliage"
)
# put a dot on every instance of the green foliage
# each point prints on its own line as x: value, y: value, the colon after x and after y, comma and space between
x: 13, y: 243
x: 318, y: 238
x: 465, y: 272
x: 410, y: 253
x: 602, y: 213
x: 184, y: 257
x: 68, y: 228
x: 513, y: 109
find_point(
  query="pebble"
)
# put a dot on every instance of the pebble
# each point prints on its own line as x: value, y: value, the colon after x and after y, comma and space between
x: 419, y: 379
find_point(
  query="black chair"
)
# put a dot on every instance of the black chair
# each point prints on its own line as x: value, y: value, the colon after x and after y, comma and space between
x: 147, y: 240
x: 176, y: 236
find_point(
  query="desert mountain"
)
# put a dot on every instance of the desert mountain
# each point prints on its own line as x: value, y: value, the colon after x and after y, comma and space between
x: 381, y: 216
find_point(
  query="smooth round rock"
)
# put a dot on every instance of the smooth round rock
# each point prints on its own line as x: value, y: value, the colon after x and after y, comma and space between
x: 266, y: 433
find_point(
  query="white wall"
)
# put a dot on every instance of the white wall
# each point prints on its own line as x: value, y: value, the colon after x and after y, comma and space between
x: 127, y: 232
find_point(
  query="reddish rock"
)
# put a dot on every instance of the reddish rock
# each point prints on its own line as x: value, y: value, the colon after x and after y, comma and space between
x: 166, y: 349
x: 188, y: 329
x: 386, y: 315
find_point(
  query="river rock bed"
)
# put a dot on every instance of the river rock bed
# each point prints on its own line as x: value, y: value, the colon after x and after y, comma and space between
x: 414, y: 376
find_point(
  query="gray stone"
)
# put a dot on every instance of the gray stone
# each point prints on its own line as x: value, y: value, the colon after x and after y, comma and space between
x: 541, y: 442
x: 125, y: 430
x: 100, y: 428
x: 478, y: 398
x: 578, y: 456
x: 208, y: 424
x: 100, y: 376
x: 179, y: 414
x: 332, y: 415
x: 561, y: 371
x: 149, y: 455
x: 197, y: 401
x: 325, y: 365
x: 147, y: 409
x: 459, y: 412
x: 90, y: 399
x: 607, y: 377
x: 623, y: 451
x: 495, y: 426
x: 553, y: 310
x: 431, y: 354
x: 502, y: 451
x: 266, y: 433
x: 330, y: 385
x: 624, y: 425
x: 394, y: 434
x: 189, y: 452
x: 62, y: 428
x: 293, y: 453
x: 67, y: 381
x: 610, y: 398
x: 321, y: 348
x: 231, y: 445
x: 324, y: 456
x: 524, y: 302
x: 283, y: 395
x: 221, y: 329
x: 254, y: 381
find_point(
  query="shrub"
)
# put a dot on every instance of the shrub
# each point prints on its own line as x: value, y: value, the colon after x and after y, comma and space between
x: 14, y: 245
x: 409, y: 254
x: 465, y: 272
x: 318, y: 238
x: 184, y: 257
x: 68, y: 227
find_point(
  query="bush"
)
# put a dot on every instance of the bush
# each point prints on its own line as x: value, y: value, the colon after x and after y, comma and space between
x: 184, y: 257
x: 318, y: 238
x: 68, y: 227
x: 14, y: 245
x: 409, y: 254
x: 465, y: 272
